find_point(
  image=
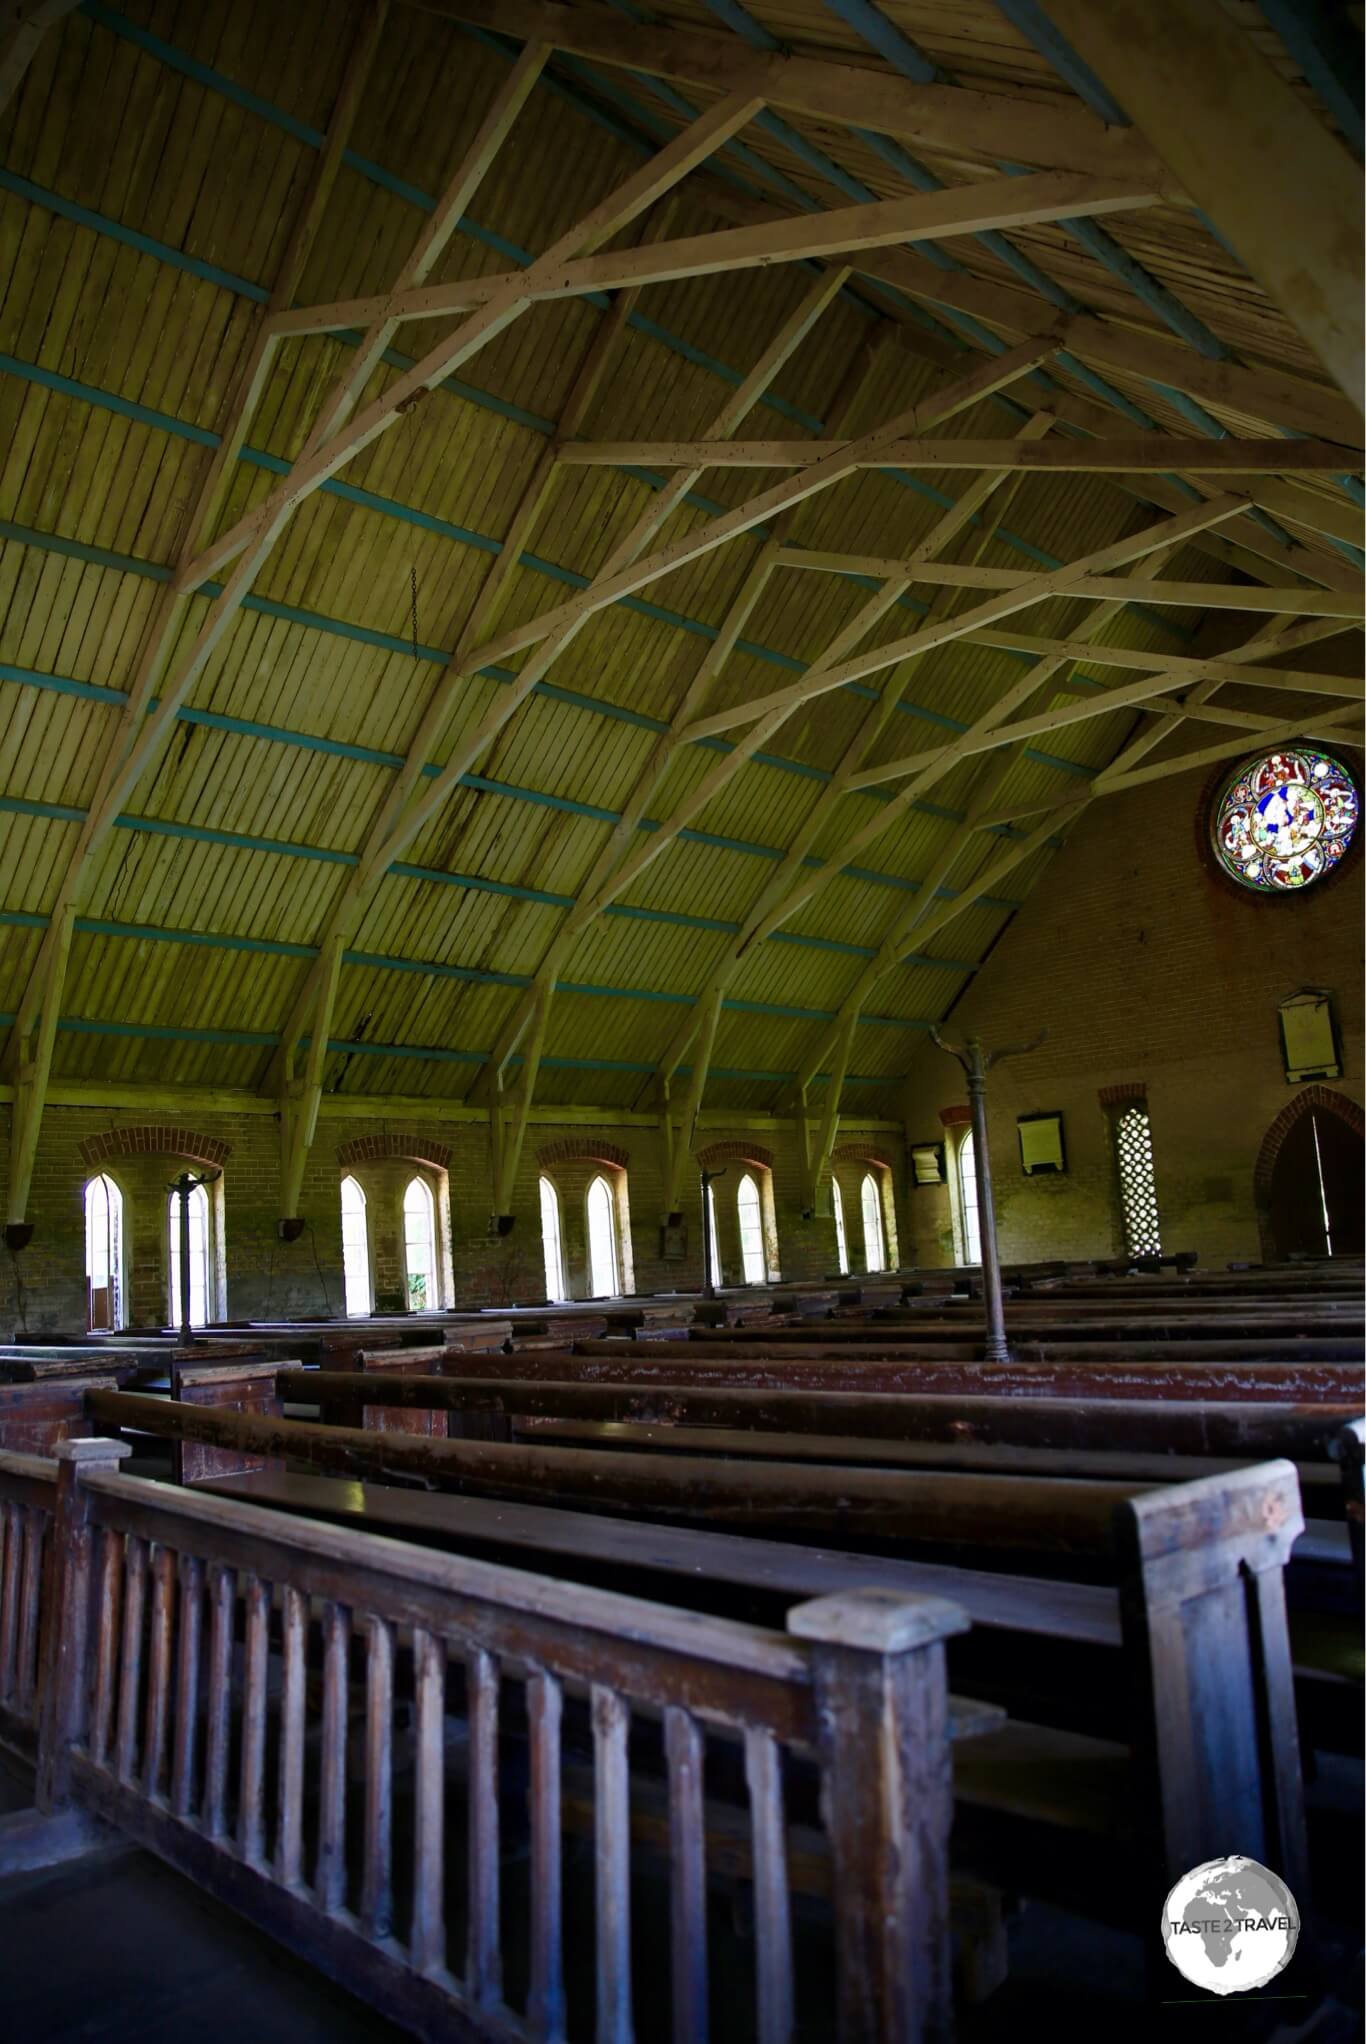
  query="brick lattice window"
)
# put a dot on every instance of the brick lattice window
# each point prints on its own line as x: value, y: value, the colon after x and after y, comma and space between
x: 1137, y: 1182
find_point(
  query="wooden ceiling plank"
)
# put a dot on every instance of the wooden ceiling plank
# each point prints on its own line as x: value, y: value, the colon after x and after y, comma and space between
x: 948, y: 120
x: 1262, y: 165
x: 34, y: 1034
x: 1035, y: 589
x: 22, y: 29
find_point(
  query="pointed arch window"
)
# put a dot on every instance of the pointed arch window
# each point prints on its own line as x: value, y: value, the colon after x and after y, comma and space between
x: 419, y: 1247
x: 967, y: 1200
x: 199, y: 1256
x: 603, y: 1263
x: 874, y: 1239
x: 104, y: 1252
x: 749, y: 1208
x: 713, y: 1246
x: 551, y: 1243
x: 841, y: 1239
x: 355, y: 1247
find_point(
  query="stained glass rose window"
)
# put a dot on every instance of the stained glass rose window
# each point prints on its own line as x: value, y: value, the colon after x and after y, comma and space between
x: 1285, y: 819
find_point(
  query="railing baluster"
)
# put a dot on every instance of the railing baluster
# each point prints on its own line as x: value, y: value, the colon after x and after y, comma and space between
x: 30, y: 1604
x: 376, y: 1907
x: 251, y: 1796
x: 187, y: 1684
x: 483, y: 1965
x: 331, y: 1878
x: 218, y: 1715
x: 110, y: 1582
x: 545, y: 2002
x: 158, y: 1670
x: 688, y: 1883
x: 289, y: 1844
x: 612, y: 1825
x: 130, y: 1666
x: 772, y: 1913
x: 9, y: 1600
x: 428, y: 1940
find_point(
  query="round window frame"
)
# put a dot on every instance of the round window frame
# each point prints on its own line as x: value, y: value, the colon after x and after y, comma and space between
x: 1223, y: 776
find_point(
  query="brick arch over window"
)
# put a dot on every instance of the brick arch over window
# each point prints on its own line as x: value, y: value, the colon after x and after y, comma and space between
x: 861, y: 1153
x: 414, y: 1145
x: 587, y: 1149
x: 717, y: 1154
x: 1310, y: 1096
x: 153, y: 1140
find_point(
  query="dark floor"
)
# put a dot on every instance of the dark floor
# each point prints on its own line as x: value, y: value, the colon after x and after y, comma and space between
x: 117, y: 1948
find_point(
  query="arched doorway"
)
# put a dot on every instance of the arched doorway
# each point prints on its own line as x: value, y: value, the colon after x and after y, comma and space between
x: 1310, y: 1178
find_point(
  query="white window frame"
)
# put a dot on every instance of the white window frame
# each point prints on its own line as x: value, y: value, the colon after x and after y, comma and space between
x: 841, y: 1238
x: 201, y: 1255
x: 602, y: 1252
x: 753, y: 1257
x: 552, y: 1242
x: 433, y: 1270
x: 874, y: 1236
x: 110, y: 1229
x: 355, y: 1232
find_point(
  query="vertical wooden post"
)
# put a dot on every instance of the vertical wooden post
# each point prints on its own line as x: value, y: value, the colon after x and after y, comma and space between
x: 65, y: 1688
x: 882, y: 1707
x: 1350, y: 1451
x: 1202, y: 1599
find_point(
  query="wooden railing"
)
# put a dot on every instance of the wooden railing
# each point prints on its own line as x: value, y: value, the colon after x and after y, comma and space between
x: 202, y: 1662
x: 28, y: 1496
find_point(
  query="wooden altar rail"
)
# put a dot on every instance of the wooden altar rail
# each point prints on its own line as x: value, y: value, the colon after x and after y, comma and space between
x: 156, y: 1721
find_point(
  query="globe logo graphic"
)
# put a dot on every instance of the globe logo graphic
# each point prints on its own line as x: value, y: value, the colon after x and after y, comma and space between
x: 1230, y: 1925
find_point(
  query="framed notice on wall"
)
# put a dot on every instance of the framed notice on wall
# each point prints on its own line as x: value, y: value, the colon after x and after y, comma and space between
x: 1041, y: 1145
x: 927, y: 1163
x: 1309, y: 1036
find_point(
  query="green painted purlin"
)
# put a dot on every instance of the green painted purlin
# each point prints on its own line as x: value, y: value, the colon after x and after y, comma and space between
x: 260, y: 1039
x: 150, y: 933
x: 462, y: 535
x: 646, y: 144
x: 371, y: 756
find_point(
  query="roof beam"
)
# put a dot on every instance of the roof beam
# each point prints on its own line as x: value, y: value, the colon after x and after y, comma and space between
x: 946, y: 119
x: 1267, y: 392
x: 1262, y: 165
x: 1053, y: 582
x: 603, y: 885
x: 22, y: 28
x: 35, y: 1028
x: 1299, y: 602
x: 1156, y: 454
x: 849, y: 230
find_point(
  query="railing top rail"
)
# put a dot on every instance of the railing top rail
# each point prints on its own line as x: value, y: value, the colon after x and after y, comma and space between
x: 374, y: 1560
x: 28, y: 1468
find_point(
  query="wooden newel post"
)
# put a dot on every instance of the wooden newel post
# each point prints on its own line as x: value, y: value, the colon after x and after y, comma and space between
x: 64, y: 1697
x: 976, y: 1063
x: 887, y: 1784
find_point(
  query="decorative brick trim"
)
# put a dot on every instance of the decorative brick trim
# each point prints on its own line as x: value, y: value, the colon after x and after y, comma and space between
x: 1129, y: 1093
x: 585, y: 1149
x: 412, y: 1145
x: 1314, y: 1095
x: 955, y: 1117
x: 152, y: 1140
x: 734, y: 1153
x: 861, y: 1153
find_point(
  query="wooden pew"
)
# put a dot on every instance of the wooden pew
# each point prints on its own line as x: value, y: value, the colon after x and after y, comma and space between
x: 143, y: 1698
x: 1239, y: 1527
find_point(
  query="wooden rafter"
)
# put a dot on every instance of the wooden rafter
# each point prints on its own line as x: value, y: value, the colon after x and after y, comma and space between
x: 942, y: 118
x: 965, y: 209
x: 1265, y: 169
x: 1154, y: 453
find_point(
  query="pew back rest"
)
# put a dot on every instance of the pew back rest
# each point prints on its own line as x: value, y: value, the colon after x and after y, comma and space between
x: 1202, y: 1603
x: 34, y: 1417
x: 233, y: 1387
